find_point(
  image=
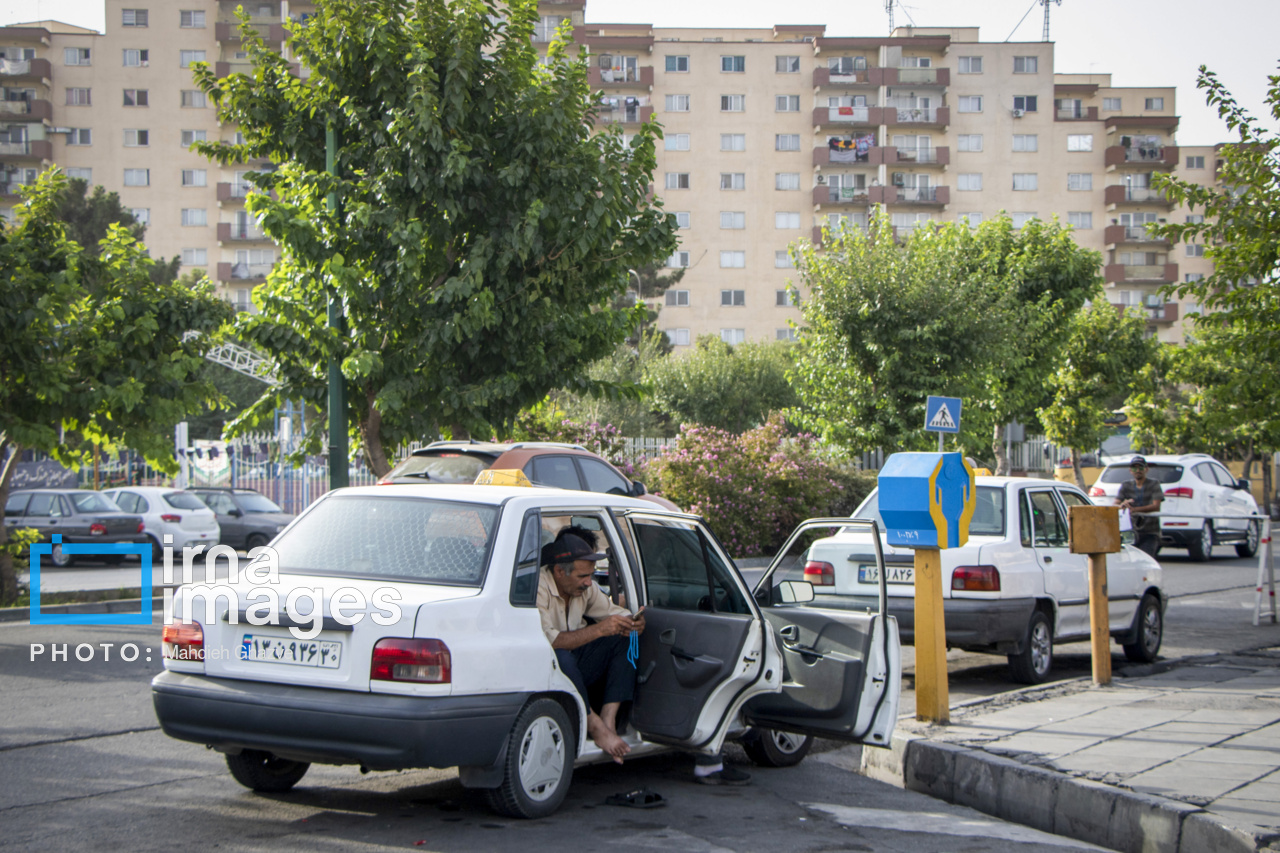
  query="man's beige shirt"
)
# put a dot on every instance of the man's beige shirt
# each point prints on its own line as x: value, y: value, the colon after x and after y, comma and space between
x: 556, y: 618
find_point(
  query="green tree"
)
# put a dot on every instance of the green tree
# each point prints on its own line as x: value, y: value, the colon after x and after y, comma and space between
x: 91, y: 344
x: 654, y: 282
x: 481, y: 227
x: 625, y: 367
x: 88, y: 217
x: 1103, y: 356
x: 732, y: 388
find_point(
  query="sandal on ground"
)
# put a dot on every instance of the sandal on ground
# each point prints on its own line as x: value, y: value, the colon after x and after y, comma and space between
x: 640, y: 798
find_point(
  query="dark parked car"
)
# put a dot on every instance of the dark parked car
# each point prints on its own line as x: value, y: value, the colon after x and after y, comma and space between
x: 81, y: 517
x: 247, y: 518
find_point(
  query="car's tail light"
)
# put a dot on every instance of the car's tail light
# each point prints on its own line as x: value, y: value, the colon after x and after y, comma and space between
x: 1097, y: 492
x: 96, y: 529
x: 425, y: 661
x: 183, y: 641
x: 819, y: 573
x: 141, y: 526
x: 384, y: 482
x: 976, y: 578
x: 170, y: 517
x: 1180, y: 492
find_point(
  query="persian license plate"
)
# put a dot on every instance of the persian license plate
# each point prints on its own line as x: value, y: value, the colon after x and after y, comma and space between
x: 325, y: 654
x: 893, y: 574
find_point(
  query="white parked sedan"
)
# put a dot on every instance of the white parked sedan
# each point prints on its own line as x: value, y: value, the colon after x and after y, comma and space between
x: 1015, y: 588
x: 179, y: 514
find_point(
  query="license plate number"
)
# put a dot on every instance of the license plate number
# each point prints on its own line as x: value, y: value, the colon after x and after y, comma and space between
x: 893, y: 574
x: 325, y: 654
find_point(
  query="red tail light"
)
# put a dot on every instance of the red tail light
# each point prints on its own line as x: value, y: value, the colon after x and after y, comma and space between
x: 183, y: 641
x: 384, y: 483
x: 423, y: 661
x: 97, y: 529
x: 819, y: 573
x: 170, y: 517
x: 1097, y: 492
x: 141, y: 527
x: 1180, y: 492
x: 976, y: 579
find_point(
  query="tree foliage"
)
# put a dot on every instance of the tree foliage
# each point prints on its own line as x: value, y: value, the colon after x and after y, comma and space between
x: 92, y: 344
x: 482, y: 227
x: 89, y: 217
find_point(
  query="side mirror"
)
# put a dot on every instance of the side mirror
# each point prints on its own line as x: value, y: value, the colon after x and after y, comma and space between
x: 794, y: 592
x: 1243, y: 484
x: 638, y: 489
x: 235, y: 512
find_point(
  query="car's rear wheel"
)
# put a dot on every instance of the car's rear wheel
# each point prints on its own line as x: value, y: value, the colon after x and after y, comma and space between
x: 257, y: 540
x: 1252, y: 536
x: 1150, y: 632
x: 539, y: 764
x: 60, y: 558
x: 1201, y: 548
x: 1032, y: 664
x: 263, y: 772
x: 772, y: 748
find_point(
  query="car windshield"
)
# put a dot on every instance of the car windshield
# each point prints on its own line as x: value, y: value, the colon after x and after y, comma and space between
x: 443, y: 467
x: 93, y: 502
x: 415, y: 539
x: 1158, y: 472
x: 988, y: 515
x: 254, y: 502
x: 183, y: 500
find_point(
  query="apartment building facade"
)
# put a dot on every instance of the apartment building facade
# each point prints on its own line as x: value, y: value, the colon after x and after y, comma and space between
x: 770, y: 135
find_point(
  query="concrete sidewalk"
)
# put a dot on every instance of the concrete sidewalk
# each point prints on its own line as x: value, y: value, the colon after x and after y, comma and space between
x: 1181, y: 756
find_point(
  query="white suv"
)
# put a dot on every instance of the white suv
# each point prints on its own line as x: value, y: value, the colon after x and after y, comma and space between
x: 1199, y: 485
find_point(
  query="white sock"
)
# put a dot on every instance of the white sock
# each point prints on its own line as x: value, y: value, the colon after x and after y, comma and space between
x: 701, y: 770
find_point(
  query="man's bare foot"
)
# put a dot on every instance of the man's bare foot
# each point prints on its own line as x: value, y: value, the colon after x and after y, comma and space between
x: 606, y: 738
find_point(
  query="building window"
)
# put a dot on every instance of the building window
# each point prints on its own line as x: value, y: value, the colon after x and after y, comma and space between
x: 1026, y: 103
x: 782, y: 261
x: 1078, y: 181
x: 195, y: 257
x: 85, y: 175
x: 133, y: 17
x: 679, y: 64
x: 783, y: 298
x: 733, y: 180
x: 733, y: 261
x: 733, y: 219
x: 969, y: 104
x: 1195, y: 162
x: 678, y: 260
x: 186, y: 57
x: 970, y: 142
x: 1026, y: 64
x: 1025, y: 181
x: 785, y: 221
x: 1195, y: 250
x: 1026, y: 142
x: 1021, y: 218
x: 969, y: 65
x: 733, y: 142
x: 193, y: 98
x: 733, y: 298
x: 678, y: 298
x: 79, y: 97
x: 142, y: 215
x: 970, y: 182
x: 677, y: 337
x: 195, y: 178
x: 137, y: 177
x: 786, y: 64
x: 733, y: 64
x: 191, y: 19
x: 190, y: 137
x: 1153, y: 104
x: 136, y: 138
x: 682, y: 218
x: 1080, y: 142
x: 676, y: 142
x: 1080, y: 220
x: 194, y: 216
x: 786, y: 142
x: 677, y: 103
x: 971, y: 219
x: 135, y: 97
x: 786, y: 103
x: 1195, y: 218
x: 786, y: 181
x: 75, y: 56
x: 677, y: 180
x: 733, y: 103
x: 80, y: 136
x: 1112, y: 104
x: 733, y: 336
x: 135, y: 58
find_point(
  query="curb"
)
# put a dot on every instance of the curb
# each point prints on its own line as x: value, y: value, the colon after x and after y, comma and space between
x: 118, y: 605
x: 1054, y: 802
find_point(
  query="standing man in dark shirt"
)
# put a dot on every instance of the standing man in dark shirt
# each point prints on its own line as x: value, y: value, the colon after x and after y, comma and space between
x: 1142, y: 495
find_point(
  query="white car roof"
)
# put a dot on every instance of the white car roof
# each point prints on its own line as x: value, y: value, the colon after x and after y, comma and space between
x: 498, y: 494
x: 1168, y: 459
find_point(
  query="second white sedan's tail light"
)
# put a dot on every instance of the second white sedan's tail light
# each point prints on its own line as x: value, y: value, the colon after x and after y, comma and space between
x: 976, y: 579
x: 1180, y: 492
x: 1097, y: 492
x: 183, y: 641
x: 423, y: 661
x: 819, y: 573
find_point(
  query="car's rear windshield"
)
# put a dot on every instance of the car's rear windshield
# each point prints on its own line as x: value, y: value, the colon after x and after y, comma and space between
x: 1159, y: 473
x: 415, y: 539
x: 183, y: 500
x: 443, y: 467
x: 254, y: 502
x: 93, y: 502
x: 988, y: 515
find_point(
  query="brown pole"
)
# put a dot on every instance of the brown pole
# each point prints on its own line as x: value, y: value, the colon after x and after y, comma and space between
x: 933, y: 703
x: 1099, y: 619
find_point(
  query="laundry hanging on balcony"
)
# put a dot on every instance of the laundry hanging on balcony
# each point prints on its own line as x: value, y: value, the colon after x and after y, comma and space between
x: 856, y: 149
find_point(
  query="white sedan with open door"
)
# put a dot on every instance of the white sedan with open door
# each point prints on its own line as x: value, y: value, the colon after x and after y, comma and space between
x: 399, y: 630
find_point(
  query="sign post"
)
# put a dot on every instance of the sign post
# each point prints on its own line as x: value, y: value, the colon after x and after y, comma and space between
x: 927, y: 501
x: 1095, y: 530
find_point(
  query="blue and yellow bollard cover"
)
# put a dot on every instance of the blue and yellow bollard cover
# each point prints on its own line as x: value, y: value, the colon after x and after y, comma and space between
x: 927, y: 499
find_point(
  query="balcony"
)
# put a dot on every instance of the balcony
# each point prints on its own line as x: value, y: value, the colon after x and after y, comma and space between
x: 917, y: 76
x: 233, y: 231
x: 243, y: 272
x: 233, y: 191
x: 606, y: 38
x: 271, y: 30
x: 918, y: 116
x: 1076, y: 114
x: 842, y: 117
x: 1154, y: 273
x: 34, y: 149
x: 26, y: 111
x: 1121, y: 194
x: 1115, y: 234
x: 226, y: 69
x: 863, y: 77
x: 940, y: 156
x: 1141, y: 123
x: 628, y: 115
x: 824, y: 195
x: 1161, y: 315
x: 615, y: 78
x: 1144, y: 156
x: 13, y: 70
x: 918, y: 196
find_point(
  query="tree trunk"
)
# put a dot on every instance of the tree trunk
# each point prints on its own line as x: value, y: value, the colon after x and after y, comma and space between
x: 997, y: 446
x: 1248, y: 464
x: 8, y: 577
x: 1075, y: 466
x: 371, y: 436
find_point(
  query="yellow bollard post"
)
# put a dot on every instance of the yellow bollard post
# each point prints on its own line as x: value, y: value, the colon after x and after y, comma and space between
x: 1099, y: 619
x: 933, y: 701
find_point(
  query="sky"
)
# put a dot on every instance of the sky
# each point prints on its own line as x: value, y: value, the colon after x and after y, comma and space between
x: 1154, y: 43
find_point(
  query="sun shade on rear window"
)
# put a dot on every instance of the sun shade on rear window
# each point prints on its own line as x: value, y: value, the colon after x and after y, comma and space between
x: 93, y: 502
x: 444, y: 467
x: 412, y: 539
x: 1159, y: 473
x: 988, y: 514
x: 184, y: 500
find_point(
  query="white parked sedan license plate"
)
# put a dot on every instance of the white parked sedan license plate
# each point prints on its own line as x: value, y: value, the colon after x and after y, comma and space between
x: 893, y: 574
x: 325, y: 654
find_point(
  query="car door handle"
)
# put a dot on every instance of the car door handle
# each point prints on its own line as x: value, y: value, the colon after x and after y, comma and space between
x: 668, y: 637
x: 648, y: 671
x: 1048, y: 559
x: 790, y: 636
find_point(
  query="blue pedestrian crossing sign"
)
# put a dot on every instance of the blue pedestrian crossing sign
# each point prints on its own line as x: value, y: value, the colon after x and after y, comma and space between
x: 942, y: 414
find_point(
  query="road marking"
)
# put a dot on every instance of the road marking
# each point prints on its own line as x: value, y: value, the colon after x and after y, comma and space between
x: 943, y: 823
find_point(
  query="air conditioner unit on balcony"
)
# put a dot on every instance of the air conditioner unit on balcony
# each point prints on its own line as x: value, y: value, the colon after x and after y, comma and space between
x: 899, y: 179
x: 1019, y: 113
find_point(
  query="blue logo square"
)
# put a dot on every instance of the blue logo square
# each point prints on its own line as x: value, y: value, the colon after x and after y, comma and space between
x: 146, y: 617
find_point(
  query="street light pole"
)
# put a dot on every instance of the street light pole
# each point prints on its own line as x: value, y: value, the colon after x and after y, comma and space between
x: 338, y: 449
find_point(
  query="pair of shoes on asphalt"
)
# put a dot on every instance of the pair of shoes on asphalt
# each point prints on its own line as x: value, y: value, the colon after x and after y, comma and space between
x: 726, y: 776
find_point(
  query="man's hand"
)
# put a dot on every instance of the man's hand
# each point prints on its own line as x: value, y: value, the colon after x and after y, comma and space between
x: 619, y: 624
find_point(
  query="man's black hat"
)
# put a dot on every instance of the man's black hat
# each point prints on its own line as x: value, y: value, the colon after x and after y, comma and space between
x: 1137, y: 462
x: 568, y: 548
